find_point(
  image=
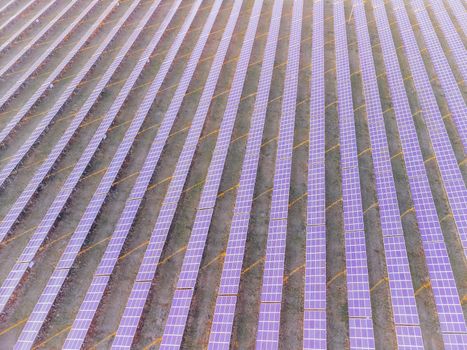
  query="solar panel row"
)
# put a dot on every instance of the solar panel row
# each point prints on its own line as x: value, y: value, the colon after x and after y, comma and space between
x: 452, y: 178
x: 47, y: 222
x: 451, y: 36
x: 37, y: 317
x: 135, y: 304
x: 446, y: 78
x: 403, y: 302
x: 459, y: 12
x: 267, y: 336
x: 54, y: 210
x: 13, y: 122
x: 221, y: 328
x: 176, y: 321
x: 12, y: 17
x: 358, y: 289
x: 26, y: 25
x: 443, y: 284
x: 15, y: 159
x: 314, y: 320
x: 27, y: 73
x: 6, y: 5
x: 96, y: 290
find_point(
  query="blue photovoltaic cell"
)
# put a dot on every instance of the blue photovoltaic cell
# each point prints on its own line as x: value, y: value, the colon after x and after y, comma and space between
x: 271, y: 291
x: 222, y: 321
x: 357, y: 275
x: 74, y: 245
x: 361, y: 333
x: 226, y: 300
x: 175, y: 325
x: 54, y: 210
x: 409, y: 337
x: 443, y: 284
x: 109, y: 259
x: 399, y: 274
x: 26, y: 25
x: 446, y: 78
x: 273, y: 275
x: 400, y: 281
x: 315, y: 273
x: 23, y: 199
x: 358, y: 289
x: 147, y: 269
x: 31, y: 68
x: 6, y: 5
x: 267, y: 337
x: 451, y: 36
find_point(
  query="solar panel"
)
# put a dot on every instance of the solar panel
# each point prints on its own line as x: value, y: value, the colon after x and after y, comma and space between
x: 226, y: 300
x: 361, y: 333
x: 314, y: 333
x: 34, y: 183
x: 447, y: 163
x: 96, y: 289
x: 31, y: 68
x: 358, y: 290
x: 175, y: 326
x: 35, y: 321
x: 147, y: 269
x: 409, y: 337
x: 315, y: 273
x: 271, y: 291
x: 74, y: 245
x: 451, y: 36
x: 222, y: 321
x: 38, y: 93
x: 5, y: 6
x: 459, y: 13
x: 400, y: 281
x: 441, y: 275
x: 267, y: 337
x: 54, y: 210
x: 32, y: 20
x: 454, y: 340
x: 314, y: 319
x: 17, y: 13
x: 446, y: 78
x: 408, y: 136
